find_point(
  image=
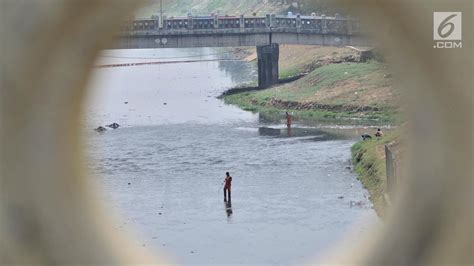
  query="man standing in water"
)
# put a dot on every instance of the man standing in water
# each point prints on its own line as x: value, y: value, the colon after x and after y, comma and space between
x: 288, y: 120
x: 227, y: 185
x: 288, y: 123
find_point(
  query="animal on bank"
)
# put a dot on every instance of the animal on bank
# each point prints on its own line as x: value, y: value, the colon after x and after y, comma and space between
x: 379, y: 133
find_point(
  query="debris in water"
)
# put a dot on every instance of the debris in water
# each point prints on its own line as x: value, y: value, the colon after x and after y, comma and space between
x: 340, y: 197
x: 113, y: 126
x: 100, y: 129
x: 125, y: 102
x: 129, y: 183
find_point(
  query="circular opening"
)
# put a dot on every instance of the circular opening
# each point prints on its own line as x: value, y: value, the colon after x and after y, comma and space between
x: 428, y: 206
x: 297, y: 177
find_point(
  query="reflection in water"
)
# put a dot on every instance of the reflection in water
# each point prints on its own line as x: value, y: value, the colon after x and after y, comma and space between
x: 266, y: 131
x: 228, y: 209
x: 288, y: 124
x: 279, y: 117
x: 316, y: 134
x: 166, y: 93
x: 235, y: 71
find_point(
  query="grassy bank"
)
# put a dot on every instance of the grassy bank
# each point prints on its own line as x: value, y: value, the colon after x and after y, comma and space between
x: 296, y: 59
x: 368, y: 158
x: 341, y: 91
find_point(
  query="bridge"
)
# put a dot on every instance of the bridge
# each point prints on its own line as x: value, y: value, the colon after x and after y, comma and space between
x: 266, y: 33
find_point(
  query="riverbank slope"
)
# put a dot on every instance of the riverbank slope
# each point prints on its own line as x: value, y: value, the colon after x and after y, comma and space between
x: 335, y: 86
x: 369, y: 162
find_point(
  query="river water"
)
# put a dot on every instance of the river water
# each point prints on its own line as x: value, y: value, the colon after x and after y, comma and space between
x: 293, y: 198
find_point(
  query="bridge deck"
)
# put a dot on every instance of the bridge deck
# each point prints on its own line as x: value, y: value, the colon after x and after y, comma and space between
x: 216, y: 31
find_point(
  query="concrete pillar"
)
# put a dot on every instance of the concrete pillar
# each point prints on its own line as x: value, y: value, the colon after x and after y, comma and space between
x: 268, y: 56
x: 216, y: 22
x: 190, y: 23
x: 324, y: 25
x: 164, y: 23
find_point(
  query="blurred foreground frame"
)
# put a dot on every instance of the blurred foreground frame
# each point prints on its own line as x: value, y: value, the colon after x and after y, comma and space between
x: 50, y: 215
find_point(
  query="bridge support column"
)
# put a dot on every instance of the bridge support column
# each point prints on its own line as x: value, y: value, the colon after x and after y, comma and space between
x: 268, y: 56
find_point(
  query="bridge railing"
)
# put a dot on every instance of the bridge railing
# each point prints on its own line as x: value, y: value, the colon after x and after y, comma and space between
x: 314, y: 24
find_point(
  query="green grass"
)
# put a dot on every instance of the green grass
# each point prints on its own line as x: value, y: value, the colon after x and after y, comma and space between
x: 325, y: 76
x: 248, y: 102
x: 321, y: 78
x: 369, y: 161
x: 289, y: 72
x: 215, y: 5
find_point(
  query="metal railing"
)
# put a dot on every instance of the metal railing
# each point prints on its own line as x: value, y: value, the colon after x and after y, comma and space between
x: 318, y: 24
